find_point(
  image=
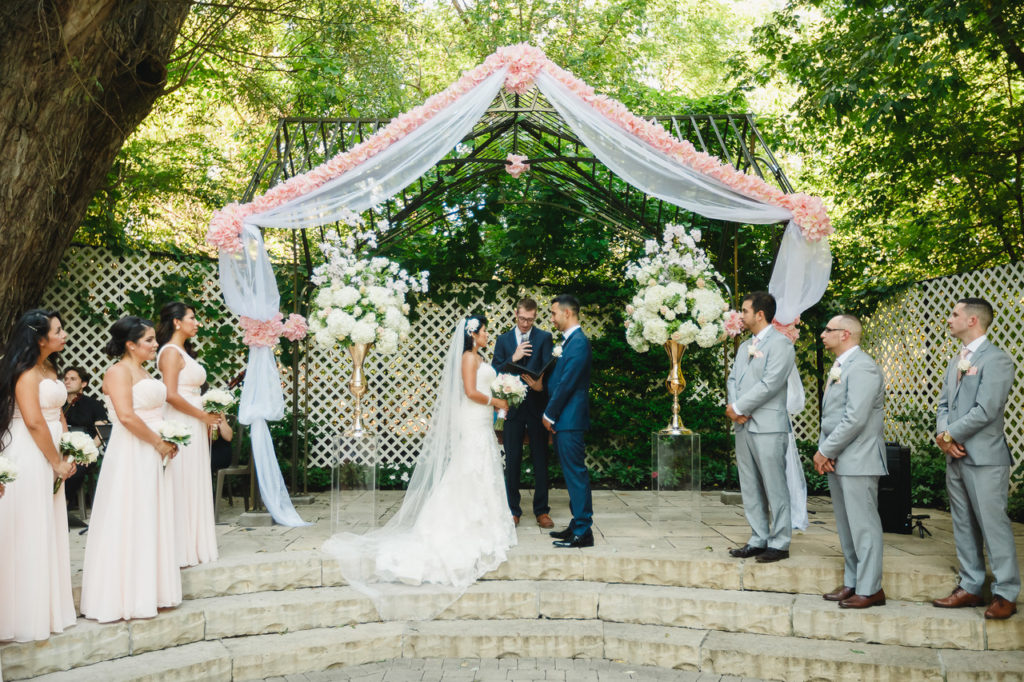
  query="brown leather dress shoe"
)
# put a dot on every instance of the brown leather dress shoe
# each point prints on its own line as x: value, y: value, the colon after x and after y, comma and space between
x: 515, y: 520
x: 859, y: 601
x: 840, y: 593
x: 959, y: 598
x: 1000, y: 608
x: 544, y: 521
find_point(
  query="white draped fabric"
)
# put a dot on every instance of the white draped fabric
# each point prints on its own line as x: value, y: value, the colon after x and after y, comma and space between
x: 798, y: 281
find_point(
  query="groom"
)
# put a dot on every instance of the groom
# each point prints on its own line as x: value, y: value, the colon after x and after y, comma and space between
x: 568, y: 417
x: 531, y: 348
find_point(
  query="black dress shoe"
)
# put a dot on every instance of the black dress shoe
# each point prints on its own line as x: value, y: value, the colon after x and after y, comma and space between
x: 561, y: 534
x: 771, y: 555
x: 585, y: 540
x: 746, y: 551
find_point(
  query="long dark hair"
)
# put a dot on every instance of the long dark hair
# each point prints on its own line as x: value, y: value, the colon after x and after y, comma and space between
x: 126, y: 329
x: 468, y: 340
x: 20, y: 355
x: 175, y: 310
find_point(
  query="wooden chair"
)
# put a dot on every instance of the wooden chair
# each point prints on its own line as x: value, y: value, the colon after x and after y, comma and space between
x: 233, y: 469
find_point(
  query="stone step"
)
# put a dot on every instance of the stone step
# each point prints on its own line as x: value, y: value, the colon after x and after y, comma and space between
x: 902, y: 579
x: 681, y: 608
x: 706, y: 651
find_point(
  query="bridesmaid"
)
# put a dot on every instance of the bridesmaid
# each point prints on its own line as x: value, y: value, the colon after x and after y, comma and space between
x: 35, y: 565
x: 130, y: 569
x: 195, y: 537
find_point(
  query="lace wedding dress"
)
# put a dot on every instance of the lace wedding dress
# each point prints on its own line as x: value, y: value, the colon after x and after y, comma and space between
x: 454, y: 524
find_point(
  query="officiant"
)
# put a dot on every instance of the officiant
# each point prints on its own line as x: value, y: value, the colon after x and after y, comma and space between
x: 529, y: 347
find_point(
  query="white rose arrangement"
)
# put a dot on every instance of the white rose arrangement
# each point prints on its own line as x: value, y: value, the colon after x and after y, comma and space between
x: 678, y: 296
x: 218, y: 401
x: 361, y: 300
x: 78, y: 447
x: 174, y: 432
x: 8, y: 470
x: 511, y: 388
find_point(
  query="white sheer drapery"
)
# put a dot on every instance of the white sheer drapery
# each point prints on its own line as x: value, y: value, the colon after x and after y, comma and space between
x: 799, y: 279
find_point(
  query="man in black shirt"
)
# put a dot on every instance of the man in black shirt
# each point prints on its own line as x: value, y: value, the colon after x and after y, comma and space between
x: 82, y: 413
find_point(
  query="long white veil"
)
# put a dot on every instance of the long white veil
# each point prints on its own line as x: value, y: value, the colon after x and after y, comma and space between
x: 393, y: 564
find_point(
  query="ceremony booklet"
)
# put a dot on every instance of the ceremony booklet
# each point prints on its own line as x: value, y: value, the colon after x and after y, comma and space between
x: 514, y: 368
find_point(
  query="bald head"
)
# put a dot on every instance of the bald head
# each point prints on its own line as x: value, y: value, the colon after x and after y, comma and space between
x: 842, y: 333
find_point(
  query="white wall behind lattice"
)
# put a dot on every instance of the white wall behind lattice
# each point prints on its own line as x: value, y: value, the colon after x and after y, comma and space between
x: 907, y: 336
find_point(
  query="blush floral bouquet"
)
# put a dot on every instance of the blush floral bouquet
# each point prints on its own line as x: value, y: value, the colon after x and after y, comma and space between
x: 511, y: 388
x: 76, y: 446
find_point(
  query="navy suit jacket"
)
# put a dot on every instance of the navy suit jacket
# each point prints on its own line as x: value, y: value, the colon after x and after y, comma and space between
x: 505, y: 347
x: 569, y: 385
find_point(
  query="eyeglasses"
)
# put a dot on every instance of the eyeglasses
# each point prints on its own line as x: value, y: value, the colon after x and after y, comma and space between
x: 836, y: 329
x: 524, y: 320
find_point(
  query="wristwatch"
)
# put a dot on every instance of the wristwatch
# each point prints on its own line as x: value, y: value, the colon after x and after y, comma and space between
x: 946, y: 438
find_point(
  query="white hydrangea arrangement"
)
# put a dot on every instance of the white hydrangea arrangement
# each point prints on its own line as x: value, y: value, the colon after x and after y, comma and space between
x: 361, y: 300
x: 679, y: 295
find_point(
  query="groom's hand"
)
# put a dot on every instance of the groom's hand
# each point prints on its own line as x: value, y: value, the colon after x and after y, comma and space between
x: 548, y: 424
x: 525, y: 349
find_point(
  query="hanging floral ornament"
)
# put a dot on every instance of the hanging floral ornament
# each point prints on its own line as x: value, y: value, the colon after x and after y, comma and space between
x: 516, y: 165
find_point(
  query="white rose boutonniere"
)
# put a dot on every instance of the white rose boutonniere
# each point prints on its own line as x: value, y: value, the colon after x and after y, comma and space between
x: 835, y: 374
x: 557, y: 352
x: 963, y: 365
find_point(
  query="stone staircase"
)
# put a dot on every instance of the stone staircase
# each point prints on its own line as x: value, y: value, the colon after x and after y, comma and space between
x: 264, y: 615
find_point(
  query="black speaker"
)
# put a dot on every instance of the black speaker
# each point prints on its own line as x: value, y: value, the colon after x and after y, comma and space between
x: 894, y: 491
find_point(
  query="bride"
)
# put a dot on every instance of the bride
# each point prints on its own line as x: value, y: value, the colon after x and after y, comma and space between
x: 453, y: 525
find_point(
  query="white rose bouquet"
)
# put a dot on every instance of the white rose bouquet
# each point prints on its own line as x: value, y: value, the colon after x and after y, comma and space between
x: 174, y: 432
x: 8, y: 470
x: 76, y: 446
x: 679, y: 294
x: 361, y: 300
x: 511, y: 388
x: 218, y: 401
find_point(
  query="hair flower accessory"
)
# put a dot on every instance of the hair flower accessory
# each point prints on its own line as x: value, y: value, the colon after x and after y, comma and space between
x: 472, y: 325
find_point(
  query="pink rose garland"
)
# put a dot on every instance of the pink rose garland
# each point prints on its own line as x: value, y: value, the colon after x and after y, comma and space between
x: 524, y: 62
x: 267, y: 332
x: 515, y: 165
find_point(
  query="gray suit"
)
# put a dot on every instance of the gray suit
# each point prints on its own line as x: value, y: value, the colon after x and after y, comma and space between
x: 971, y: 409
x: 757, y: 388
x: 852, y: 423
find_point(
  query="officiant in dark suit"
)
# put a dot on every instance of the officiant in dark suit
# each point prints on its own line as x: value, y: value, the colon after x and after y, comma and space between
x: 530, y: 347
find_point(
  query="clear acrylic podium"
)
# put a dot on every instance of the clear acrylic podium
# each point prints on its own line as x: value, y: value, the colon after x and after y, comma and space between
x: 354, y: 483
x: 675, y: 476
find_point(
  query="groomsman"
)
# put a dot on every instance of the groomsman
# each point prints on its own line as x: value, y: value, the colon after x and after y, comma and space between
x: 757, y: 407
x: 530, y: 347
x: 568, y: 417
x: 969, y: 425
x: 851, y: 450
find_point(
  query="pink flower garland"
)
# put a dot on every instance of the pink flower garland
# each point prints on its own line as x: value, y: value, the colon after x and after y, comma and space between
x: 732, y: 322
x: 788, y: 330
x: 515, y: 165
x: 524, y: 62
x: 267, y: 332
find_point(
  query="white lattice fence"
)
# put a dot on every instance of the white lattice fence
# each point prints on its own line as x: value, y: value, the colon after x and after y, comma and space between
x: 909, y: 338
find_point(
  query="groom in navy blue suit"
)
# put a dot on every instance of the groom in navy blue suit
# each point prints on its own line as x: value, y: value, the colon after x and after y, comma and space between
x: 529, y: 347
x: 568, y: 417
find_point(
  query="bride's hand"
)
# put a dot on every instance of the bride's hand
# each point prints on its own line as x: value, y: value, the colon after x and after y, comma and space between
x: 499, y: 404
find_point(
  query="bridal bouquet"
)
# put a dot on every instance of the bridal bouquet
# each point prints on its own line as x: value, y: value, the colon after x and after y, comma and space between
x: 174, y: 432
x: 361, y: 300
x: 678, y: 296
x: 511, y: 388
x: 76, y: 446
x: 8, y: 470
x: 218, y: 401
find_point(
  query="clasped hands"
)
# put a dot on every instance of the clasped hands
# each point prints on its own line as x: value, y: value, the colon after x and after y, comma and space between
x: 823, y: 465
x: 736, y: 418
x: 952, y: 448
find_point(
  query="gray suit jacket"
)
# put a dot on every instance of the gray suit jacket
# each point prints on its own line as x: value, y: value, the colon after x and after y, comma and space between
x: 757, y: 385
x: 853, y: 418
x: 972, y: 409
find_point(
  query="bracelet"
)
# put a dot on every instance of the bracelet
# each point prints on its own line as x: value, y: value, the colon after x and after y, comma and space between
x: 489, y: 399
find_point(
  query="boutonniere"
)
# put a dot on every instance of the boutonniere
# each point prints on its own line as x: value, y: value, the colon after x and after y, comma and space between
x: 557, y: 352
x: 964, y: 366
x: 753, y: 352
x: 835, y: 374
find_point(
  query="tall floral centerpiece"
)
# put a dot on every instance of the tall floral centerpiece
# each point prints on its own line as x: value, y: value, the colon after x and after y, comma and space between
x: 359, y: 304
x: 678, y: 301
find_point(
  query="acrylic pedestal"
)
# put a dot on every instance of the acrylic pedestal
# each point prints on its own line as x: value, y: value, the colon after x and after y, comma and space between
x: 675, y: 477
x: 354, y: 483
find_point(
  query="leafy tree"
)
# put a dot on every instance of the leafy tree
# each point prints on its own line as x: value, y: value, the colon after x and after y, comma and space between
x: 909, y: 115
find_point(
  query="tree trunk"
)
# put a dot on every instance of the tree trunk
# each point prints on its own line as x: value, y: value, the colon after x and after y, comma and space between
x: 76, y: 78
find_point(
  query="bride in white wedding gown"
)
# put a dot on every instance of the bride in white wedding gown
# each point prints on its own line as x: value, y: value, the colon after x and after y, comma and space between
x: 454, y: 524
